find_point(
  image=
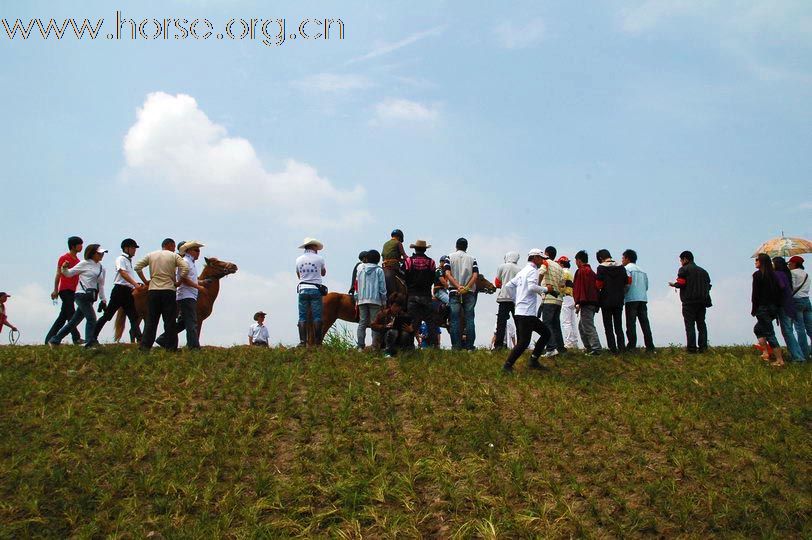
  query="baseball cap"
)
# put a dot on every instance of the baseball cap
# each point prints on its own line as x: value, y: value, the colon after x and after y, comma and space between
x: 796, y: 259
x: 563, y: 258
x: 536, y: 252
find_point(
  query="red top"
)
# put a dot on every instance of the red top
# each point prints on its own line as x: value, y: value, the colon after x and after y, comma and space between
x: 68, y: 283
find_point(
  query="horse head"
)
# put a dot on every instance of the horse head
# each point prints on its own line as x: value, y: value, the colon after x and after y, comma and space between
x: 485, y: 286
x: 216, y: 269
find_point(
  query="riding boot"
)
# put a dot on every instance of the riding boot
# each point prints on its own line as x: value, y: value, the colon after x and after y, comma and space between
x: 302, y: 334
x: 317, y: 335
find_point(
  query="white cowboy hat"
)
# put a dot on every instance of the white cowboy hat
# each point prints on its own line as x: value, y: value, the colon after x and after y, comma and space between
x: 191, y: 244
x: 311, y: 242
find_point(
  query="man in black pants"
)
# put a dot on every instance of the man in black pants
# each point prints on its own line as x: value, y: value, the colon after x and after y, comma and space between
x: 419, y: 270
x: 163, y: 265
x: 694, y: 287
x: 122, y: 294
x: 612, y: 281
x: 525, y: 288
x: 65, y: 289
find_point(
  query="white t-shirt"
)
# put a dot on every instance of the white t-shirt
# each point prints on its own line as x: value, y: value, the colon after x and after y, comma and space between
x: 309, y: 266
x: 798, y: 277
x: 123, y: 262
x: 259, y: 334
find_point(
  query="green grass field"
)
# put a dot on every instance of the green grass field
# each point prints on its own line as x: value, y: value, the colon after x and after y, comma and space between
x: 242, y: 442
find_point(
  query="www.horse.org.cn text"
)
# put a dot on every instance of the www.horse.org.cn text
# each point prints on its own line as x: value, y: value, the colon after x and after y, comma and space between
x: 270, y: 32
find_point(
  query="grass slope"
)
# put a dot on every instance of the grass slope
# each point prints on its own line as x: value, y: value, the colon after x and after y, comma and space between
x: 243, y: 442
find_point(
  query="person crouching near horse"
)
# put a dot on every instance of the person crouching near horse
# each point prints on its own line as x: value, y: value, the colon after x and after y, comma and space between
x: 395, y: 325
x: 310, y: 270
x: 525, y: 288
x: 91, y: 288
x: 186, y: 295
x: 420, y: 270
x: 393, y: 257
x: 122, y: 294
x: 258, y: 333
x: 371, y: 296
x: 163, y: 267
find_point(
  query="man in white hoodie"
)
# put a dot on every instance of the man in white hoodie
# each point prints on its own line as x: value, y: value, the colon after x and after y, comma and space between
x: 507, y: 306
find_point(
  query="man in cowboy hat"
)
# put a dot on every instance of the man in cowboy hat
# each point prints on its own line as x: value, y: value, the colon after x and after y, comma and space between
x: 310, y: 270
x: 163, y: 265
x: 419, y: 270
x: 3, y: 318
x: 258, y: 333
x: 188, y: 290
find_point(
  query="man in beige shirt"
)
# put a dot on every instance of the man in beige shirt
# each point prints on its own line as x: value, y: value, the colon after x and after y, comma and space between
x: 163, y: 265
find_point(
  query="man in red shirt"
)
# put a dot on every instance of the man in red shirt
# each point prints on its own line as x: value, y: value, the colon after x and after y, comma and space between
x: 65, y: 289
x: 585, y: 294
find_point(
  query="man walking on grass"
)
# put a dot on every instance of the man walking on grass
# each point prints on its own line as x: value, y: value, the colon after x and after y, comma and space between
x: 507, y: 306
x: 636, y: 301
x: 611, y: 280
x: 163, y: 265
x: 65, y: 289
x: 525, y: 289
x: 552, y: 280
x: 122, y: 294
x: 187, y: 293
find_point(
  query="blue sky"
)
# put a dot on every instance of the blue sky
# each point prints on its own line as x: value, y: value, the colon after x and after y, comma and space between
x: 655, y: 125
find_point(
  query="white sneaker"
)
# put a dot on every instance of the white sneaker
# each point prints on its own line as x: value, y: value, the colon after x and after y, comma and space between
x: 549, y: 354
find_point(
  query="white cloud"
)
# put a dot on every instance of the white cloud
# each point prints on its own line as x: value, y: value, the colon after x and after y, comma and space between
x: 520, y: 36
x: 805, y: 206
x: 387, y: 48
x: 333, y: 82
x: 175, y: 145
x: 404, y: 110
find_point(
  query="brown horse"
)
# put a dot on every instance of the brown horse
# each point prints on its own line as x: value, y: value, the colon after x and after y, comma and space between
x: 209, y: 278
x: 342, y: 306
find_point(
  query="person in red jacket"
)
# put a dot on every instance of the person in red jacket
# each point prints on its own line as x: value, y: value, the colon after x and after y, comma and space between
x: 585, y: 294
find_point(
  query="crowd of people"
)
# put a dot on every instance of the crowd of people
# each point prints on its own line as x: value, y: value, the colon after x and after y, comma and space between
x: 404, y: 300
x: 544, y: 297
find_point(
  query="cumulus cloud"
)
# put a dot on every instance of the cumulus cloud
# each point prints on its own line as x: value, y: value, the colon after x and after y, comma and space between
x: 520, y: 35
x: 404, y: 110
x: 333, y: 82
x: 174, y: 143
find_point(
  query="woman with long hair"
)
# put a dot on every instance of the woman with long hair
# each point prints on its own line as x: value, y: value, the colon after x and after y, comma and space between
x: 786, y: 315
x: 766, y: 300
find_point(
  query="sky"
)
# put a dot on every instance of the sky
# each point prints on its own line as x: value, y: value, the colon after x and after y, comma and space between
x: 656, y: 125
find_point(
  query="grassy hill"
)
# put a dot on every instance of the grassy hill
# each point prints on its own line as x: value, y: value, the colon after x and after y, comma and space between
x: 243, y: 442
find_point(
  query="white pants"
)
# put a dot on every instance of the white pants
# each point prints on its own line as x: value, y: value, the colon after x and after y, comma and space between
x: 569, y: 323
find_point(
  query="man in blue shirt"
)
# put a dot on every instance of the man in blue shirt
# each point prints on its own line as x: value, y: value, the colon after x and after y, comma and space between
x: 636, y: 302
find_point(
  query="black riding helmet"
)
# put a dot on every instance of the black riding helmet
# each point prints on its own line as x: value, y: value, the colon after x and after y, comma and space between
x: 397, y: 233
x: 128, y: 242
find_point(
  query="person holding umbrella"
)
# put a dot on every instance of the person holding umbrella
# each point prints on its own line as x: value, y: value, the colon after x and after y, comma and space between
x: 786, y: 314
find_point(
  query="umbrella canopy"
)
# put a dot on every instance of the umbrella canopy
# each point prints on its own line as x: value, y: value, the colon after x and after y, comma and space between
x: 784, y: 246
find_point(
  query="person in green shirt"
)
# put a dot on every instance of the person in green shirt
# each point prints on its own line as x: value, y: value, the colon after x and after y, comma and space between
x: 393, y: 256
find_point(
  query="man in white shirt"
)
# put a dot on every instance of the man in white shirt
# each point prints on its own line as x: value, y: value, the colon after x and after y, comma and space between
x: 122, y: 294
x: 462, y: 271
x: 527, y: 291
x: 310, y: 270
x: 258, y: 333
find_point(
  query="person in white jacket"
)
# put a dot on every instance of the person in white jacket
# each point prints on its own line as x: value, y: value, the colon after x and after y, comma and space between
x: 91, y: 288
x: 525, y: 289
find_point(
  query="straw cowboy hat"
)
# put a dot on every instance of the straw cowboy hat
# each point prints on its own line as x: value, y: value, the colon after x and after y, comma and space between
x: 311, y: 242
x: 420, y: 244
x: 191, y: 244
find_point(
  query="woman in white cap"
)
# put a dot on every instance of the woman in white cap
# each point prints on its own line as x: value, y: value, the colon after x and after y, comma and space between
x: 91, y: 288
x: 310, y: 270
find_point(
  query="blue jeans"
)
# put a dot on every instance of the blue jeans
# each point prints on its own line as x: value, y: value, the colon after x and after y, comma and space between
x: 466, y: 302
x: 789, y: 336
x: 803, y: 324
x: 310, y: 298
x: 84, y: 305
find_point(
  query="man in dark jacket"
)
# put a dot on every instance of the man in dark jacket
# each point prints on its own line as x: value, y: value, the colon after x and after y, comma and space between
x: 419, y: 270
x: 612, y: 281
x: 694, y: 287
x: 585, y: 294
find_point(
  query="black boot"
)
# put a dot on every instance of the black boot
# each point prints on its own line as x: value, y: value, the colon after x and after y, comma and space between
x: 302, y: 334
x: 317, y: 335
